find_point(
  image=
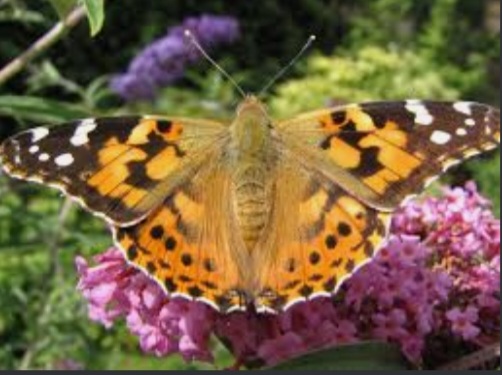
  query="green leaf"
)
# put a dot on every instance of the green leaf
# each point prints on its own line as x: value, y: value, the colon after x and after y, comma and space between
x: 361, y: 356
x: 95, y: 10
x: 63, y: 7
x: 39, y: 109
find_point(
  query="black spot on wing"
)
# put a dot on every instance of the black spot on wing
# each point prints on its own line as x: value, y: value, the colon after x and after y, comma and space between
x: 369, y: 164
x: 151, y: 267
x: 185, y: 279
x: 330, y: 284
x: 170, y: 243
x: 195, y: 291
x: 316, y: 277
x: 344, y: 229
x: 164, y: 126
x: 314, y: 257
x: 290, y: 265
x: 209, y: 265
x: 163, y: 264
x: 132, y: 252
x: 186, y: 259
x: 157, y: 232
x: 339, y: 117
x: 170, y: 285
x: 330, y: 241
x: 305, y: 290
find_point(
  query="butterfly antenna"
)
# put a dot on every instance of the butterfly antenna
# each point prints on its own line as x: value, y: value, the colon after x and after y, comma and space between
x: 306, y: 46
x: 197, y: 45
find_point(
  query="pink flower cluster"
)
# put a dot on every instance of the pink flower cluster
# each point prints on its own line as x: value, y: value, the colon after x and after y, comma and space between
x: 436, y: 278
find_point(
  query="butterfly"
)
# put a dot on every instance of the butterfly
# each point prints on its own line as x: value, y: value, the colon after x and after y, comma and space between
x: 255, y: 212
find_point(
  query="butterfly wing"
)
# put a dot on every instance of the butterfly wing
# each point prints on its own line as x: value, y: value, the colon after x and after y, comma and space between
x: 190, y: 244
x: 318, y: 235
x: 341, y: 173
x: 384, y: 152
x: 119, y: 168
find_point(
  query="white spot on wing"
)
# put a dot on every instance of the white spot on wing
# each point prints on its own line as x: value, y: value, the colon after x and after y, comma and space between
x: 64, y: 160
x: 33, y: 149
x: 422, y: 115
x: 440, y: 137
x: 39, y: 133
x: 424, y: 119
x: 470, y: 122
x: 44, y: 157
x: 17, y: 152
x: 461, y: 132
x: 463, y: 107
x: 81, y: 136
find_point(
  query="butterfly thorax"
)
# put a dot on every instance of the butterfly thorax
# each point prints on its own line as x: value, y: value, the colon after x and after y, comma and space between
x: 251, y: 161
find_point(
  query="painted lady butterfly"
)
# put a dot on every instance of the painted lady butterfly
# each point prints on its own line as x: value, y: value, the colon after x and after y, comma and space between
x: 255, y: 211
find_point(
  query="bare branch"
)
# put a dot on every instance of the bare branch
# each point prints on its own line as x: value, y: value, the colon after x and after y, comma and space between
x: 51, y: 37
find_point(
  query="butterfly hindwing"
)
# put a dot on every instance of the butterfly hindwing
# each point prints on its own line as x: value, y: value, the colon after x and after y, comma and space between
x: 119, y: 168
x: 318, y: 236
x: 190, y: 245
x: 384, y: 152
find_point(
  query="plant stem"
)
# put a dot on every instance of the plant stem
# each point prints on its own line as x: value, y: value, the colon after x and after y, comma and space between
x: 53, y: 243
x: 47, y: 40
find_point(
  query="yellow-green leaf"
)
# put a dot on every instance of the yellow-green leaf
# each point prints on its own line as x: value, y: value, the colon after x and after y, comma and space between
x: 40, y: 110
x: 95, y: 10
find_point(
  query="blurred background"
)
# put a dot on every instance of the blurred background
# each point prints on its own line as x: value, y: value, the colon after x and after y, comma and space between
x: 365, y: 50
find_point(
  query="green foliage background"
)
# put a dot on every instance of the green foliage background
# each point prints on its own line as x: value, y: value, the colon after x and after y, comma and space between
x: 381, y: 49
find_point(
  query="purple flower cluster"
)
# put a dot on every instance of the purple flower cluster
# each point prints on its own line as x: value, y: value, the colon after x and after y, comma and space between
x: 436, y: 281
x: 164, y: 61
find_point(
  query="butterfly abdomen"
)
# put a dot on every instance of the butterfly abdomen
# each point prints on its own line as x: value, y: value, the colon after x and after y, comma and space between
x: 251, y: 197
x: 250, y: 160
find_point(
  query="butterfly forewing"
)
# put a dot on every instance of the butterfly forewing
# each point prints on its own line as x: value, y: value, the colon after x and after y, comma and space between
x: 119, y: 168
x: 383, y: 152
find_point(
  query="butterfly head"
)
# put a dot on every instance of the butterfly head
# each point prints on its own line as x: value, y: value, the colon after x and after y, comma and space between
x: 252, y: 106
x: 252, y: 112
